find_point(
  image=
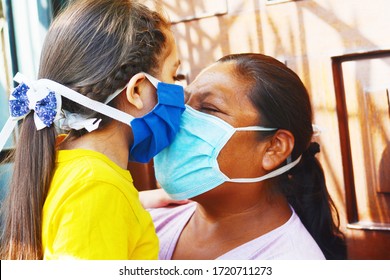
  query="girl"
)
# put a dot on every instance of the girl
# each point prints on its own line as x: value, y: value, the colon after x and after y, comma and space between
x: 72, y: 197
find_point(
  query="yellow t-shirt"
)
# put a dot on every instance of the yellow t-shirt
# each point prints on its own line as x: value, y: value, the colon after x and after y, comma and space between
x: 93, y: 212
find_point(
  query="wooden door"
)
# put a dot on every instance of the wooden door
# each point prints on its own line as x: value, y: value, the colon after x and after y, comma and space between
x: 362, y: 85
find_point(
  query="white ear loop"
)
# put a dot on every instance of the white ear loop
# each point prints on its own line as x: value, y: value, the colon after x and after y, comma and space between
x: 77, y: 121
x: 317, y: 130
x: 272, y: 174
x: 151, y: 79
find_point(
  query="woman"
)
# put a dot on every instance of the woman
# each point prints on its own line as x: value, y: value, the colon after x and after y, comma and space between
x: 244, y: 155
x: 72, y: 197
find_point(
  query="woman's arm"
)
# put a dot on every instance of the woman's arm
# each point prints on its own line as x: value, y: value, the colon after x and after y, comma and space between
x: 157, y: 198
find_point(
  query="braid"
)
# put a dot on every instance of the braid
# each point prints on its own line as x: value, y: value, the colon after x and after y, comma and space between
x: 117, y: 79
x: 307, y: 193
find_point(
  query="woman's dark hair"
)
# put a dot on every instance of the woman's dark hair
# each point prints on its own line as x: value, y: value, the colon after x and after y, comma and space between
x: 93, y: 47
x: 283, y: 102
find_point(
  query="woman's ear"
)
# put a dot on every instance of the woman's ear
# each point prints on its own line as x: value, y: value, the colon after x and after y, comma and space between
x: 133, y: 90
x: 278, y: 149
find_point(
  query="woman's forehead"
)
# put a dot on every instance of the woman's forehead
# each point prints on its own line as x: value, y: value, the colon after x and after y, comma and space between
x: 220, y: 85
x: 218, y: 77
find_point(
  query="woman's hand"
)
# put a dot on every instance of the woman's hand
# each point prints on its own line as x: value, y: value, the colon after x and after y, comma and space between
x: 157, y: 198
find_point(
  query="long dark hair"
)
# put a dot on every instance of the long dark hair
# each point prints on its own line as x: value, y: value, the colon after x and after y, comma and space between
x: 283, y: 102
x: 93, y: 47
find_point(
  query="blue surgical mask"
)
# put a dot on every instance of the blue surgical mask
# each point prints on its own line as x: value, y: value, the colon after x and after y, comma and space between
x: 189, y: 166
x: 157, y: 129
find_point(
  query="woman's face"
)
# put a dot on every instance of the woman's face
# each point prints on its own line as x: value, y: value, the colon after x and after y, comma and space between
x: 219, y: 92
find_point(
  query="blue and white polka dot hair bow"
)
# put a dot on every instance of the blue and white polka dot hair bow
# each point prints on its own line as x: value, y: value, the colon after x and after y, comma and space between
x: 45, y: 103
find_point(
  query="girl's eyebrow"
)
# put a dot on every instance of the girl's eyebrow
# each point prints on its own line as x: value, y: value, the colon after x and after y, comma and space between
x: 177, y: 63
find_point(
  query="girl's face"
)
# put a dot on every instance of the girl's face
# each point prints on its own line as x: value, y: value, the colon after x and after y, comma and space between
x: 171, y: 62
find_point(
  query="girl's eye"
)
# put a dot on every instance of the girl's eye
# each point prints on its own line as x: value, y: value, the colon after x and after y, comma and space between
x: 179, y: 77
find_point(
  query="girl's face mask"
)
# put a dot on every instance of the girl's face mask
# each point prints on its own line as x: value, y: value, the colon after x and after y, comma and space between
x: 157, y: 129
x: 189, y: 166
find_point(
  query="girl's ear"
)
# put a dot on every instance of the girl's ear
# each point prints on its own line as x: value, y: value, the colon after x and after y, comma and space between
x: 134, y: 89
x: 279, y: 148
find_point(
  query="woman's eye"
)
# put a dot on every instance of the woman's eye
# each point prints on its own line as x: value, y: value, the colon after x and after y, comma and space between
x: 208, y: 109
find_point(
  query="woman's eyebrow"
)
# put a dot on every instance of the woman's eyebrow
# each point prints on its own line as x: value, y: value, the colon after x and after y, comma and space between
x: 201, y: 96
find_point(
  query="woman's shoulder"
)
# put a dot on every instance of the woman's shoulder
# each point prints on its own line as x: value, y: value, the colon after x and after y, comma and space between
x: 171, y: 214
x: 169, y: 223
x: 290, y: 241
x: 299, y: 243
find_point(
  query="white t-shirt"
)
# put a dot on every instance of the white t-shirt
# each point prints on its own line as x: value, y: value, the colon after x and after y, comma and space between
x: 291, y: 241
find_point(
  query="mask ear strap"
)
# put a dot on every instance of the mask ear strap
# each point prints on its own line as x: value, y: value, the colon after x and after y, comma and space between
x: 5, y: 133
x: 272, y: 174
x: 151, y: 79
x: 115, y: 94
x: 255, y: 128
x: 72, y: 95
x: 87, y: 102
